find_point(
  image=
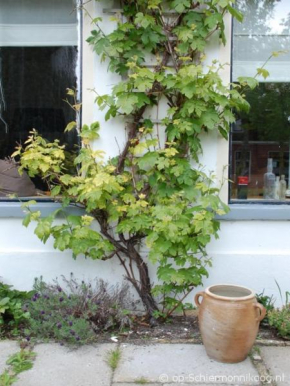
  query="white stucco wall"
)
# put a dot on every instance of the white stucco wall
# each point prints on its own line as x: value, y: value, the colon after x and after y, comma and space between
x: 250, y: 253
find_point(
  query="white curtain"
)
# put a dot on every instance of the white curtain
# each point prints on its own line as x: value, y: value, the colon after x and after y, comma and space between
x: 266, y: 28
x: 38, y: 23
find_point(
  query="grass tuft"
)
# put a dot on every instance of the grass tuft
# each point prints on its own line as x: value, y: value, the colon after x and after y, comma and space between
x: 113, y: 358
x: 141, y: 381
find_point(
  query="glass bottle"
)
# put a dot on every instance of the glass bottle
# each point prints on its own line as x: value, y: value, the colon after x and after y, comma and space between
x: 277, y: 188
x: 283, y: 188
x: 269, y: 181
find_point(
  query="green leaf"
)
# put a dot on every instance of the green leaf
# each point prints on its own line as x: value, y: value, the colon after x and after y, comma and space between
x: 144, y: 20
x: 28, y: 203
x: 248, y: 81
x: 212, y: 20
x: 210, y: 118
x: 127, y: 102
x: 235, y: 13
x: 222, y: 3
x: 43, y: 230
x: 148, y: 161
x: 75, y: 220
x: 4, y: 301
x: 275, y: 54
x: 142, y: 99
x: 229, y: 116
x: 70, y: 126
x: 62, y: 242
x: 263, y: 72
x: 27, y: 219
x: 180, y: 5
x: 55, y: 190
x: 91, y: 133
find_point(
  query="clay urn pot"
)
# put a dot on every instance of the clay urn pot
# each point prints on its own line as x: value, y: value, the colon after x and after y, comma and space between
x: 229, y: 318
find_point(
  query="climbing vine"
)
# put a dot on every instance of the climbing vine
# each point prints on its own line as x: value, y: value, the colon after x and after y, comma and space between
x: 153, y: 203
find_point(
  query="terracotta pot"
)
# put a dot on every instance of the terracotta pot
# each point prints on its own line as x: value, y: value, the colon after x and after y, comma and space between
x: 229, y: 318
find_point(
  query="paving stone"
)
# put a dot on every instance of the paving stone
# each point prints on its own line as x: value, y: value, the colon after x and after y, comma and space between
x: 61, y: 366
x: 180, y: 363
x: 146, y: 384
x: 277, y: 360
x: 7, y: 348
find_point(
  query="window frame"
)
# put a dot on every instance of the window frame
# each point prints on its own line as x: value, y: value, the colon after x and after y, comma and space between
x: 249, y: 209
x: 11, y: 207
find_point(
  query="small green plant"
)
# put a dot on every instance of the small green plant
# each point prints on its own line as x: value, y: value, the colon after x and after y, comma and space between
x: 19, y: 362
x: 280, y: 320
x: 141, y: 381
x: 7, y: 379
x: 113, y: 358
x: 12, y: 313
x: 268, y: 303
x: 73, y: 312
x: 287, y: 294
x: 256, y: 350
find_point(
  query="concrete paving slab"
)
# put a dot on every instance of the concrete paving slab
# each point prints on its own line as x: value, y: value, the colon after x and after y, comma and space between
x: 166, y: 384
x: 7, y: 348
x: 277, y: 360
x: 180, y: 363
x: 138, y: 384
x: 61, y: 366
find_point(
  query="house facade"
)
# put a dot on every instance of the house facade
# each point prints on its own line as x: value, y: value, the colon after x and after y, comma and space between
x: 43, y: 51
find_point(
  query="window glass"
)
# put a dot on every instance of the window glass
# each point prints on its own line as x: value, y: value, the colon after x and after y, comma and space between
x: 38, y: 62
x: 260, y: 139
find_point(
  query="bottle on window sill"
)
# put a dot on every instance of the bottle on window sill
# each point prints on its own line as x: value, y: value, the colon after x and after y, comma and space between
x: 269, y: 181
x: 277, y: 188
x: 243, y: 182
x: 283, y: 187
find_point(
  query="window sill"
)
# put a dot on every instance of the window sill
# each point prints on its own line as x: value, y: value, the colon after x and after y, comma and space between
x: 238, y: 212
x: 259, y: 212
x: 13, y: 209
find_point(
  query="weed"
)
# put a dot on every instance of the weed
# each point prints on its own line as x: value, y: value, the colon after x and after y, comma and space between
x: 280, y: 320
x: 268, y: 303
x: 287, y: 294
x: 7, y: 379
x: 21, y: 361
x: 256, y: 350
x: 113, y: 358
x: 141, y: 381
x: 12, y: 313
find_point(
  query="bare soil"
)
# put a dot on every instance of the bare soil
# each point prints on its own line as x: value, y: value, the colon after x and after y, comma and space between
x: 179, y: 329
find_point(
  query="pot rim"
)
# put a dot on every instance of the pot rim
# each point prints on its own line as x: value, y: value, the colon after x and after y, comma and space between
x: 227, y: 298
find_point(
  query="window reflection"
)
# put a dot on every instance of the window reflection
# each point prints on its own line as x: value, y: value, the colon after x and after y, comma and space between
x: 260, y: 139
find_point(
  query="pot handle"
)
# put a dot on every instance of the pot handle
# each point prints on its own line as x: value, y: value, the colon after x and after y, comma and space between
x: 262, y: 311
x: 196, y: 298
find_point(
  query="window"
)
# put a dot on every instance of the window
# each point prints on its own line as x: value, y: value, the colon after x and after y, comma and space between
x: 260, y: 139
x: 38, y: 62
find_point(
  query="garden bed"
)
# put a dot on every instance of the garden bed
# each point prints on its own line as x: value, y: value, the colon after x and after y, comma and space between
x: 179, y: 329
